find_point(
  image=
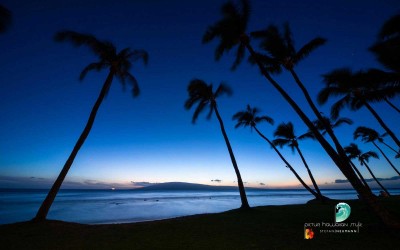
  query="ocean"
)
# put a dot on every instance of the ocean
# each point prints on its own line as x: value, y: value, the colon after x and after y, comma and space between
x: 122, y: 206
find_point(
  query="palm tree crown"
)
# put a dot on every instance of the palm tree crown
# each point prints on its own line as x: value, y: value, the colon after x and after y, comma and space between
x: 286, y: 134
x: 367, y: 134
x: 201, y: 93
x: 119, y: 63
x: 230, y: 30
x: 249, y: 118
x: 280, y: 48
x: 354, y: 152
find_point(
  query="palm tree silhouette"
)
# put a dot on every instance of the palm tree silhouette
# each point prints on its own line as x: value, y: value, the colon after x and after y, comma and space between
x: 371, y: 135
x: 119, y: 65
x: 354, y: 94
x: 286, y: 137
x: 355, y: 153
x: 249, y: 118
x: 201, y: 93
x: 281, y: 54
x: 5, y: 19
x: 231, y: 32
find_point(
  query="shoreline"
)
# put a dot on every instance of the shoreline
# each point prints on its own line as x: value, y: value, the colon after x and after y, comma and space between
x: 263, y: 227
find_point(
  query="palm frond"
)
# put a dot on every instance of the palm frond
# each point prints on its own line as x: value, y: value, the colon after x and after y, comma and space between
x: 339, y: 105
x: 135, y: 85
x: 199, y: 109
x: 264, y: 118
x: 139, y: 54
x: 308, y: 48
x: 281, y: 142
x: 93, y: 66
x: 223, y: 88
x: 285, y: 130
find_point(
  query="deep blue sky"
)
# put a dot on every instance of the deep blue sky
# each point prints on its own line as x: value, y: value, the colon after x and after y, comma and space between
x: 151, y: 139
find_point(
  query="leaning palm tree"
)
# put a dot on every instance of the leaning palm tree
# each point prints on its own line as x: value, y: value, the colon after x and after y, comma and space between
x: 203, y: 95
x: 355, y: 153
x: 5, y: 19
x: 371, y: 135
x: 354, y: 93
x: 286, y: 137
x: 118, y: 65
x: 231, y: 32
x: 249, y: 118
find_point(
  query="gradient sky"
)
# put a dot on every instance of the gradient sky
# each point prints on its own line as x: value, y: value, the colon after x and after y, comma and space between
x: 44, y: 107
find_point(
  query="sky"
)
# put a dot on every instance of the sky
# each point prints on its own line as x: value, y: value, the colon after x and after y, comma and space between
x: 150, y: 139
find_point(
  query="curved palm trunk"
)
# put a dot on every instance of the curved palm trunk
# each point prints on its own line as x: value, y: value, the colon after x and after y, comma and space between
x: 373, y: 176
x: 309, y: 172
x: 384, y: 126
x: 243, y: 197
x: 360, y: 175
x: 391, y: 105
x: 387, y: 159
x: 45, y: 207
x: 387, y: 145
x: 288, y: 165
x: 340, y: 161
x: 328, y: 127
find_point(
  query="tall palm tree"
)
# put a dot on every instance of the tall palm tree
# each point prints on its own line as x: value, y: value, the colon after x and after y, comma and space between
x: 203, y: 95
x: 355, y: 153
x: 281, y: 54
x: 118, y: 64
x: 354, y: 93
x: 231, y: 32
x: 286, y: 137
x: 5, y: 18
x: 249, y: 118
x: 371, y: 135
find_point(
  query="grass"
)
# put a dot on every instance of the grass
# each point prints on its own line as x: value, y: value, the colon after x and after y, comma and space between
x: 269, y: 227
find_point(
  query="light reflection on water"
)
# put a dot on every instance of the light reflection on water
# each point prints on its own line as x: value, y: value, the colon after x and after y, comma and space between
x: 106, y: 206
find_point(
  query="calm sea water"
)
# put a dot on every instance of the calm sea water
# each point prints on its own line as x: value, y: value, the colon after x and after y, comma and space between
x: 119, y: 206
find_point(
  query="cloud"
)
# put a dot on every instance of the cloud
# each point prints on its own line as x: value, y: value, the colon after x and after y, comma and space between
x: 262, y: 184
x: 217, y: 180
x: 393, y: 178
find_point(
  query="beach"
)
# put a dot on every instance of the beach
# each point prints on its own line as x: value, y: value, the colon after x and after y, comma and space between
x: 265, y: 227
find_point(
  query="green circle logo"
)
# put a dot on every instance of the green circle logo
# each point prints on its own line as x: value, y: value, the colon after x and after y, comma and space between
x: 342, y: 212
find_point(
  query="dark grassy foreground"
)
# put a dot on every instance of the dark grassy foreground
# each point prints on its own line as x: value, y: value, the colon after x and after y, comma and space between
x: 270, y: 227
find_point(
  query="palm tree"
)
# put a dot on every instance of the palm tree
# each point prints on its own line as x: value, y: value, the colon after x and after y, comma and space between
x: 249, y: 118
x: 5, y: 19
x: 118, y: 65
x: 286, y: 137
x: 355, y: 153
x: 201, y: 93
x: 354, y: 94
x: 231, y: 32
x: 281, y: 54
x: 371, y: 135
